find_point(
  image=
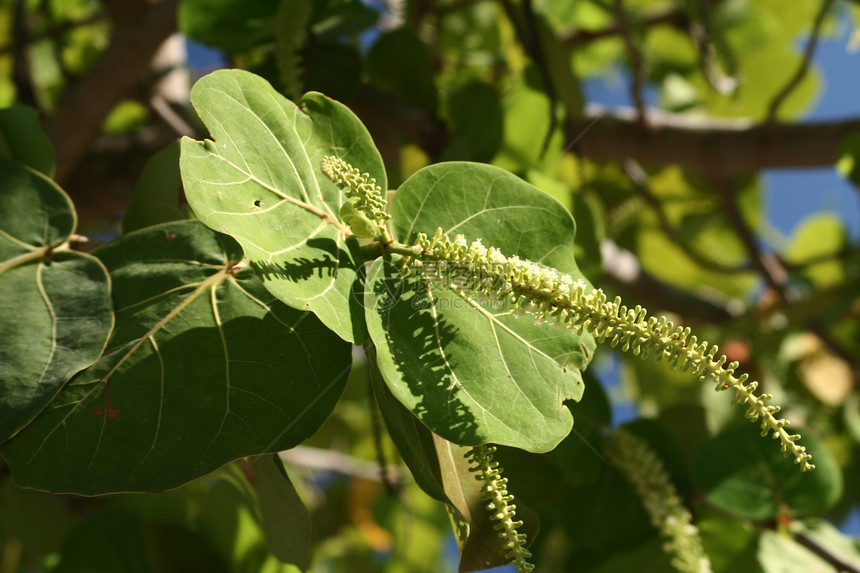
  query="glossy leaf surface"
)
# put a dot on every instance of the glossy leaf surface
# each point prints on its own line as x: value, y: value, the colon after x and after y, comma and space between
x: 466, y: 367
x: 22, y: 139
x: 747, y: 476
x: 204, y: 367
x: 260, y: 182
x: 55, y: 305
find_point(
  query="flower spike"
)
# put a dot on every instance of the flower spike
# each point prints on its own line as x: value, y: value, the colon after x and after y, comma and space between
x: 364, y: 210
x: 552, y: 297
x: 644, y: 470
x: 499, y: 505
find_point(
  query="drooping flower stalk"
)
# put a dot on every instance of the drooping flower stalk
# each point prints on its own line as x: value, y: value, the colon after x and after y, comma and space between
x: 553, y: 297
x: 495, y: 493
x: 364, y: 210
x: 644, y: 470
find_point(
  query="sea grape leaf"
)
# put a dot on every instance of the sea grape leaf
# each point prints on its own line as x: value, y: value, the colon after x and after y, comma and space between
x: 22, y: 139
x: 475, y: 112
x: 55, y: 304
x: 402, y: 65
x: 283, y: 516
x: 230, y: 25
x: 746, y: 476
x: 157, y: 195
x: 779, y: 553
x: 467, y: 367
x: 204, y: 367
x: 260, y: 182
x: 818, y: 236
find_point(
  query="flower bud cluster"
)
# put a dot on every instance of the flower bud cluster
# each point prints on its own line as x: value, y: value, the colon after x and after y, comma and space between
x: 495, y: 493
x: 552, y: 297
x: 644, y: 470
x: 369, y: 197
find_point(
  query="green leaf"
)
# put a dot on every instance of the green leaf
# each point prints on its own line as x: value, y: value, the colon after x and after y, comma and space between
x: 230, y: 25
x: 113, y: 540
x: 848, y: 164
x: 743, y: 474
x: 22, y: 139
x: 260, y: 182
x: 413, y: 440
x: 819, y: 235
x: 157, y: 194
x: 779, y: 553
x: 467, y: 368
x: 649, y: 557
x: 480, y: 544
x: 283, y: 517
x: 333, y: 69
x: 55, y: 305
x: 334, y: 19
x: 542, y: 479
x: 38, y: 520
x: 475, y: 111
x: 204, y: 367
x: 108, y: 541
x: 401, y: 64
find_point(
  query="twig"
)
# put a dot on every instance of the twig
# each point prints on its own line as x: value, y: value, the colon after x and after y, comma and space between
x: 161, y: 107
x: 329, y: 460
x: 719, y: 146
x: 376, y: 428
x: 769, y: 267
x: 822, y: 552
x: 637, y: 64
x: 640, y: 184
x: 803, y: 68
x: 772, y: 269
x: 673, y: 17
x: 21, y: 60
x: 621, y: 268
x: 700, y: 32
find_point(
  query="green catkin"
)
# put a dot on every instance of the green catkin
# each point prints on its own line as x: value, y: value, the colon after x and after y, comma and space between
x: 644, y: 470
x: 368, y: 196
x: 551, y: 297
x: 495, y: 493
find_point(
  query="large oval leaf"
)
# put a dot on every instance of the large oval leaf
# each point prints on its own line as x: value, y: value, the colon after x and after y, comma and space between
x: 55, y: 306
x: 22, y: 139
x: 468, y: 368
x: 260, y: 182
x: 746, y: 476
x: 204, y: 367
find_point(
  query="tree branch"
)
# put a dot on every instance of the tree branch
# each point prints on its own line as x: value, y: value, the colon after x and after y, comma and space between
x: 637, y: 64
x: 139, y: 28
x: 672, y: 17
x: 803, y: 68
x: 622, y: 270
x: 640, y: 185
x: 709, y: 145
x: 772, y: 269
